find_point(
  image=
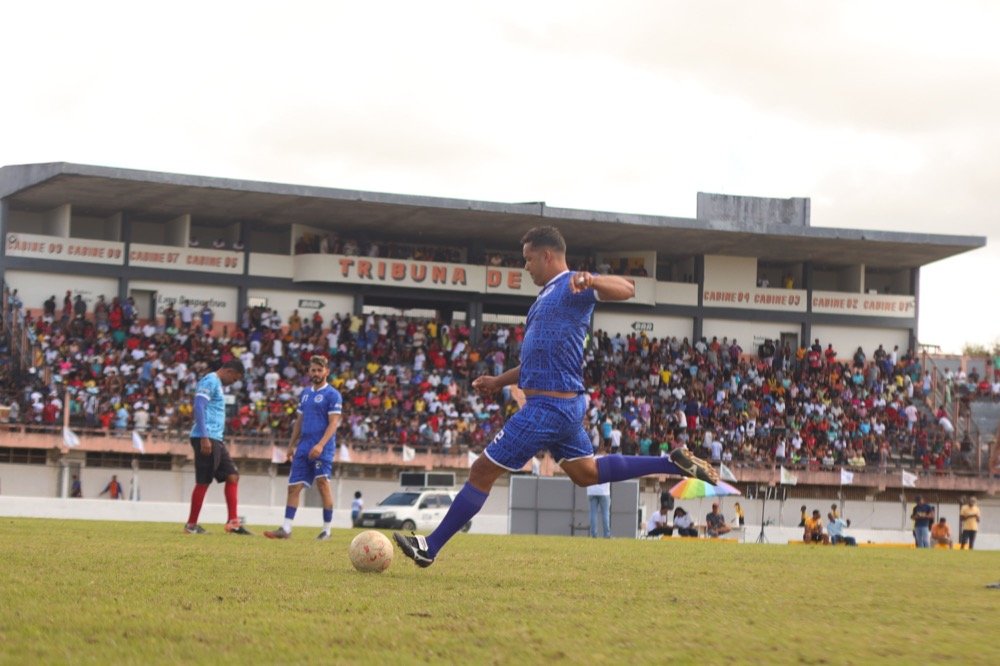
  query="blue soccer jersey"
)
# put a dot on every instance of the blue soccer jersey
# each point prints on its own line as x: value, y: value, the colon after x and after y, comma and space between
x: 552, y: 351
x: 315, y: 408
x: 210, y: 389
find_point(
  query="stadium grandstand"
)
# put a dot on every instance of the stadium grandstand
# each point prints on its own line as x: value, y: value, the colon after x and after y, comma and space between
x: 753, y: 338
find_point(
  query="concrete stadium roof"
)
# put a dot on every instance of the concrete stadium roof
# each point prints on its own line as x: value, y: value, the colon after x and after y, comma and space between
x: 150, y: 195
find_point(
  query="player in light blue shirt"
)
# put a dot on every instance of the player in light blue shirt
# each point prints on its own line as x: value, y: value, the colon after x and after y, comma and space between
x: 313, y: 444
x: 551, y: 376
x: 211, y: 458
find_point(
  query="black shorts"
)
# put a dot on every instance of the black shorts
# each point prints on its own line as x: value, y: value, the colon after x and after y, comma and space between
x: 218, y: 465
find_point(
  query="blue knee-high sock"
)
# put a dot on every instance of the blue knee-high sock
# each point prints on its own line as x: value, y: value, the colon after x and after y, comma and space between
x: 290, y: 512
x: 619, y: 468
x: 467, y: 503
x: 327, y: 515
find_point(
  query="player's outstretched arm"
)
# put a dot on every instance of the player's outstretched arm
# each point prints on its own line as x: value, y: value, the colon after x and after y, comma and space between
x: 608, y: 287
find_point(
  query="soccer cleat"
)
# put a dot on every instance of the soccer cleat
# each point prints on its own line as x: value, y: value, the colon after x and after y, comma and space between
x: 693, y: 466
x: 235, y: 527
x: 415, y: 548
x: 279, y: 533
x: 194, y: 529
x: 323, y: 536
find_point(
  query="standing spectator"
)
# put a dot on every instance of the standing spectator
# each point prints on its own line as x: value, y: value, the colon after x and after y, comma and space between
x: 76, y: 489
x: 357, y: 506
x: 79, y: 307
x: 599, y: 496
x: 113, y: 489
x: 211, y: 459
x: 187, y: 316
x: 207, y: 317
x: 740, y: 517
x: 969, y: 513
x: 923, y: 517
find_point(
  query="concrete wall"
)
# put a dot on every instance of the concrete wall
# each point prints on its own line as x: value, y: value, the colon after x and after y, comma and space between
x: 846, y: 339
x: 222, y: 300
x: 287, y: 301
x: 655, y: 326
x: 748, y: 333
x: 730, y: 272
x: 751, y: 211
x: 35, y: 287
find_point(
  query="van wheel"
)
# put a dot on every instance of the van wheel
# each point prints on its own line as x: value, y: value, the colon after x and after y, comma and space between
x: 466, y: 527
x: 408, y: 526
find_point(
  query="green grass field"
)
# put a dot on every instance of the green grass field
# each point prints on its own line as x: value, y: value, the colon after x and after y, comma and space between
x: 81, y: 591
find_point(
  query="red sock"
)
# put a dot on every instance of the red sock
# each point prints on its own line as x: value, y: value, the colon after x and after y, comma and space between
x: 197, y: 498
x: 231, y: 499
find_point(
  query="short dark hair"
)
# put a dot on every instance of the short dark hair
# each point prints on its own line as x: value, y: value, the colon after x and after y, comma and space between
x: 235, y: 365
x: 547, y: 236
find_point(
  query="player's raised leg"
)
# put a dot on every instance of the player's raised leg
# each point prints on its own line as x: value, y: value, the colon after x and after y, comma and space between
x: 608, y: 469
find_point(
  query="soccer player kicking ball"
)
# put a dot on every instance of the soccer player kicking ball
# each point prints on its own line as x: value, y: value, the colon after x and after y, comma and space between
x: 211, y: 459
x: 314, y: 441
x: 551, y: 376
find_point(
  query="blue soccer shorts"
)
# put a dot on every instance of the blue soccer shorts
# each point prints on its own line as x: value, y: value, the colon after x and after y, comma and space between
x: 544, y: 422
x: 305, y: 471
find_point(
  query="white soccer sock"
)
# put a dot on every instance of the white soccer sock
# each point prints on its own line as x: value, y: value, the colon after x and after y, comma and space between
x: 326, y: 527
x: 287, y: 525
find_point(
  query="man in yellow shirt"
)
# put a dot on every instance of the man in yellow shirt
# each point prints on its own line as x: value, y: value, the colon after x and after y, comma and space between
x: 969, y: 513
x: 814, y: 529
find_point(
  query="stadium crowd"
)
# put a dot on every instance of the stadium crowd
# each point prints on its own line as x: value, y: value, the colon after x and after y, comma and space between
x: 406, y: 381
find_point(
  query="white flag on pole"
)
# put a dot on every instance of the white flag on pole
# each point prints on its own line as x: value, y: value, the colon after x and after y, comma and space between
x: 408, y: 453
x: 279, y: 455
x: 909, y: 480
x: 787, y: 478
x: 137, y: 442
x: 345, y: 453
x: 69, y: 438
x: 726, y: 474
x: 472, y: 458
x: 846, y: 477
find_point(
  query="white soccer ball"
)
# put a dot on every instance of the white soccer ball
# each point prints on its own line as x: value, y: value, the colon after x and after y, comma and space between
x: 370, y: 552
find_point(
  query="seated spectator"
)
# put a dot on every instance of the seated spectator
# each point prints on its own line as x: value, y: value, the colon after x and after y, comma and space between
x: 715, y: 523
x: 657, y: 524
x: 813, y: 532
x: 683, y: 524
x: 941, y: 533
x: 835, y: 527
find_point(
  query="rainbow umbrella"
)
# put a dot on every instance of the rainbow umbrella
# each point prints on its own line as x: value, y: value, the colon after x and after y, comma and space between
x: 692, y: 488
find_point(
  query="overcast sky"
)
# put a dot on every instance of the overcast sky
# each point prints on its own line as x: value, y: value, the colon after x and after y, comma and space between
x: 885, y: 114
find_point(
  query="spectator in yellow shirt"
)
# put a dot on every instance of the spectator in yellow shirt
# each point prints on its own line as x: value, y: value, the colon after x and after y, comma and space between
x: 814, y: 529
x: 969, y: 513
x: 941, y: 533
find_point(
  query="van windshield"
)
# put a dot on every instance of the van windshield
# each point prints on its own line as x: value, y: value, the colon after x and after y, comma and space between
x: 400, y: 499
